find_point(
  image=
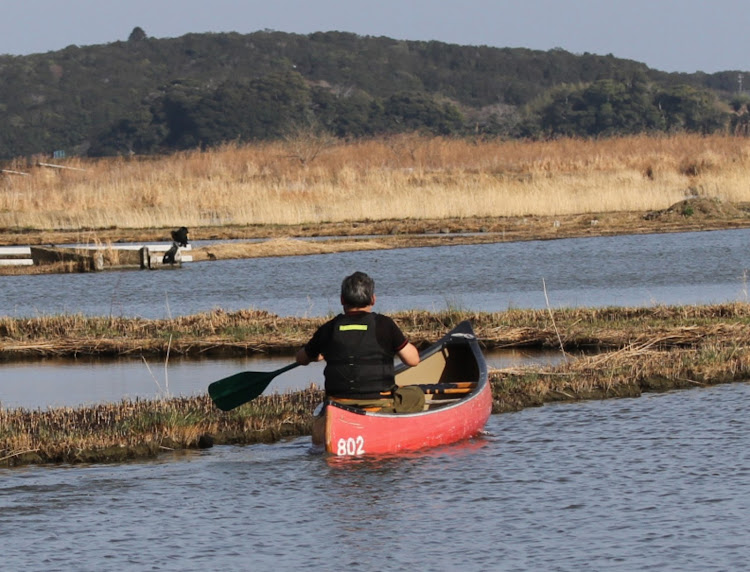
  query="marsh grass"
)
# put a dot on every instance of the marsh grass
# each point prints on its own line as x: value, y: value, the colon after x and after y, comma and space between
x: 283, y: 247
x: 406, y: 177
x: 624, y: 373
x: 142, y: 428
x: 252, y: 331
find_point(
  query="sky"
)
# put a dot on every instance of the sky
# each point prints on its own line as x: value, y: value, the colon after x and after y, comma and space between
x: 667, y: 35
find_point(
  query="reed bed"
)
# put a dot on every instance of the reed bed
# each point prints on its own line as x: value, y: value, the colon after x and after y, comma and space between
x: 143, y: 428
x: 625, y: 373
x: 404, y: 177
x: 256, y: 331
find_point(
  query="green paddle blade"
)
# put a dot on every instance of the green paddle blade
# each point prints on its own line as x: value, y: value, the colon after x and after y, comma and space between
x: 242, y: 387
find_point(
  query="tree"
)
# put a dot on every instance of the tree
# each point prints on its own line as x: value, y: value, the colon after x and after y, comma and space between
x: 346, y: 114
x: 136, y: 135
x: 740, y: 120
x: 137, y: 35
x: 408, y: 111
x: 685, y: 108
x: 176, y: 112
x: 262, y: 108
x: 609, y: 107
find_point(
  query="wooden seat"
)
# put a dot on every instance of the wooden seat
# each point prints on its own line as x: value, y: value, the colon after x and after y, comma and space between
x: 448, y: 388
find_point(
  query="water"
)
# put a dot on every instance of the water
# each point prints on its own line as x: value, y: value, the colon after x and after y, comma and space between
x: 656, y: 483
x: 640, y: 270
x: 59, y: 382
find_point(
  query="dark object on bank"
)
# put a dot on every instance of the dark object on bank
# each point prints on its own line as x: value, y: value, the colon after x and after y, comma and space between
x: 171, y: 254
x: 180, y: 236
x: 205, y: 441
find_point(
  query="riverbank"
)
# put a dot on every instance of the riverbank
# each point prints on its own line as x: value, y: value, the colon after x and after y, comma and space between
x: 693, y: 214
x: 640, y: 350
x: 141, y: 429
x: 382, y: 194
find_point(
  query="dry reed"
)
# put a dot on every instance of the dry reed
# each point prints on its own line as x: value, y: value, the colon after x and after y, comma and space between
x: 651, y: 349
x: 131, y: 429
x: 252, y: 331
x: 407, y: 177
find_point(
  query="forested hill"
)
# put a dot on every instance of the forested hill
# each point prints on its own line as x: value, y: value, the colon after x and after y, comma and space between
x: 148, y: 95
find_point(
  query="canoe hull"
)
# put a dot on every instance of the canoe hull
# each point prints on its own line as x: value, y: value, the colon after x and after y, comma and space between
x: 354, y: 432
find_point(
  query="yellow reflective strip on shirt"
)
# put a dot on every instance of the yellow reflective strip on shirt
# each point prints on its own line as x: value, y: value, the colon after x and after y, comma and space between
x: 349, y: 327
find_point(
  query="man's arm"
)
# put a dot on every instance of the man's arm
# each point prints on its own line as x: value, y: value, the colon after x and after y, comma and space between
x: 409, y: 354
x: 303, y: 359
x: 315, y: 345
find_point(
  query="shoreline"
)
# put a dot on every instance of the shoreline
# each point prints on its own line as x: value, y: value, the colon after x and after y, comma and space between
x: 245, y: 332
x: 691, y: 215
x: 137, y: 430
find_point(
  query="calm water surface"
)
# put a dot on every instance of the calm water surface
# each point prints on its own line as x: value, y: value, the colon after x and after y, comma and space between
x: 656, y: 483
x: 63, y: 382
x: 682, y: 268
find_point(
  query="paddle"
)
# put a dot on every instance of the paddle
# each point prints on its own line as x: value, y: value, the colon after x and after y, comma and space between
x: 240, y: 388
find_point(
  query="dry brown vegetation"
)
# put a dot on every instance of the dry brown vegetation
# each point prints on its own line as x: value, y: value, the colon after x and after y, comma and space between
x: 396, y: 179
x: 144, y: 428
x: 252, y: 331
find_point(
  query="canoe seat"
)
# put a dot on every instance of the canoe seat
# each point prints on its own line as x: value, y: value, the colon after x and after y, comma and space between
x: 431, y: 404
x: 448, y: 388
x: 365, y: 404
x: 436, y: 394
x: 440, y: 394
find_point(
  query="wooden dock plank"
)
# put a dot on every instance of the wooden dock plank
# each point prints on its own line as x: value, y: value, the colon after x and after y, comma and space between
x: 15, y: 251
x: 16, y: 262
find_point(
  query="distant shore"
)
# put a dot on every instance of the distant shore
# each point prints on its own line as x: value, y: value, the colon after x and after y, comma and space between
x: 690, y: 215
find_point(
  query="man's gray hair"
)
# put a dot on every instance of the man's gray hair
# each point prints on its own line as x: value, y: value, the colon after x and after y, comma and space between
x: 357, y: 290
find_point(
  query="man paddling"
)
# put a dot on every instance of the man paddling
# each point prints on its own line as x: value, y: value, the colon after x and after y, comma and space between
x: 359, y: 347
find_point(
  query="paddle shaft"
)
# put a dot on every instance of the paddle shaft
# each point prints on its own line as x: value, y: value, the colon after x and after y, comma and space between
x: 285, y: 368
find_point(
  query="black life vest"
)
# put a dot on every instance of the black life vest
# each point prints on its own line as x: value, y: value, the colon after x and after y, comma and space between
x: 356, y: 365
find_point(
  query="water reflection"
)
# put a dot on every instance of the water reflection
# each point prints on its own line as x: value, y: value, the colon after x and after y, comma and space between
x: 64, y: 382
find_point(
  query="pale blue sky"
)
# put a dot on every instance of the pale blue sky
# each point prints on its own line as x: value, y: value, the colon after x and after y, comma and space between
x: 669, y: 35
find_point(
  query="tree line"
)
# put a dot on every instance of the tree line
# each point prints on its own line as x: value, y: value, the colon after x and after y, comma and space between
x: 146, y: 95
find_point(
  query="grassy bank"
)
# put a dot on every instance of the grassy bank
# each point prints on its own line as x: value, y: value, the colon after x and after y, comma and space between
x: 649, y: 349
x: 400, y: 192
x: 254, y: 331
x: 695, y: 214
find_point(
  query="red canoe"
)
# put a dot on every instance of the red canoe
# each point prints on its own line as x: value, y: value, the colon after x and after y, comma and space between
x: 453, y: 374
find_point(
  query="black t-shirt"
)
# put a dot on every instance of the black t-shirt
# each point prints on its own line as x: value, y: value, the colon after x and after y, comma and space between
x: 389, y: 336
